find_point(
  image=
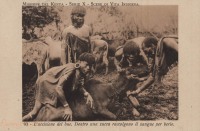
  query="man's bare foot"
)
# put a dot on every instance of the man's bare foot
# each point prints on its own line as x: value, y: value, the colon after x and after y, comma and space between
x: 27, y: 117
x: 135, y: 112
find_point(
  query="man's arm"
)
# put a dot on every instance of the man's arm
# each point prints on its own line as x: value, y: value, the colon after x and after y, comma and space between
x: 59, y: 89
x: 89, y: 99
x: 67, y: 114
x: 60, y: 92
x: 145, y: 85
x: 64, y: 47
x: 143, y: 57
x: 85, y: 93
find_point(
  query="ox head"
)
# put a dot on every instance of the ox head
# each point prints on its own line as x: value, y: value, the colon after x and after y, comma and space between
x: 138, y: 70
x: 129, y: 77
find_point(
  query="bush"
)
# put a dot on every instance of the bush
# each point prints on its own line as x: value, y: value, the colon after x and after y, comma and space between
x: 36, y: 17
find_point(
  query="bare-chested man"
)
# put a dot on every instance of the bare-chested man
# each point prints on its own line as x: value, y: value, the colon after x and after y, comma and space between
x: 76, y: 37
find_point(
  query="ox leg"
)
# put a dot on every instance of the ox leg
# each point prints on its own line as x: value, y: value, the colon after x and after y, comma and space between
x: 102, y: 110
x: 117, y: 63
x: 105, y: 61
x: 40, y: 71
x: 97, y: 66
x: 106, y: 70
x: 107, y: 114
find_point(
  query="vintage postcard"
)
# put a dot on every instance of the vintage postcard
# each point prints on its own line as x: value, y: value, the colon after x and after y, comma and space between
x: 100, y: 65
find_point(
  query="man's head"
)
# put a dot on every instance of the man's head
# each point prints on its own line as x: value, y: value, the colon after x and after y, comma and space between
x: 86, y: 61
x: 149, y: 46
x: 131, y: 51
x: 77, y: 16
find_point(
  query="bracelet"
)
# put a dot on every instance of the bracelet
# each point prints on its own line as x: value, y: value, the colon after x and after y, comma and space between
x: 66, y: 105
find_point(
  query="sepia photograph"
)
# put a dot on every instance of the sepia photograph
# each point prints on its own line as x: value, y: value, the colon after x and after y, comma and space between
x: 100, y: 63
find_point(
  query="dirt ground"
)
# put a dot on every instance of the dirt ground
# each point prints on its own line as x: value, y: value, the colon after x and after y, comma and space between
x: 158, y: 102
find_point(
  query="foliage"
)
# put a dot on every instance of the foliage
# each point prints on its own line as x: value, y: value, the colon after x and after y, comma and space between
x: 36, y: 17
x: 111, y: 21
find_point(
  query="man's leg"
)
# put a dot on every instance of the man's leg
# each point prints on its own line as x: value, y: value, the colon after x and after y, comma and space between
x: 31, y: 115
x: 135, y: 104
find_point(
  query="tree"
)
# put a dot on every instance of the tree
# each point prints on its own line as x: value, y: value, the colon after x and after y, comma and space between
x: 36, y: 17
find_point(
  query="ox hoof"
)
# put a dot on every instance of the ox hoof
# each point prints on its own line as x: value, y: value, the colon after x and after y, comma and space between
x: 135, y: 112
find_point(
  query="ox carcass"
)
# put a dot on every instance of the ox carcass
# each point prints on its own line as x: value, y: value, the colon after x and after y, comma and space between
x: 103, y: 95
x: 99, y: 49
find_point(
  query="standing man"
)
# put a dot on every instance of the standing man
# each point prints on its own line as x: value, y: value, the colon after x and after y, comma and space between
x: 76, y: 37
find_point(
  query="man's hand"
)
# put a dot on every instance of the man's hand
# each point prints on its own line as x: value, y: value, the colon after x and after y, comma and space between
x: 67, y: 114
x: 132, y: 77
x: 89, y: 100
x: 119, y: 70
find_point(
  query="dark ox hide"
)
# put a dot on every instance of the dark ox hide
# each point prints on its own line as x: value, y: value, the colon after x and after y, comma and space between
x: 99, y: 49
x: 166, y: 56
x: 102, y: 93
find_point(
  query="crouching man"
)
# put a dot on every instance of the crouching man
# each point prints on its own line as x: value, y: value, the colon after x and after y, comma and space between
x: 163, y: 55
x: 130, y: 56
x: 51, y: 89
